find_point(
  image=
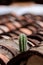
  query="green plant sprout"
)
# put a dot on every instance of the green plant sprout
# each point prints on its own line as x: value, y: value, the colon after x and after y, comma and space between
x: 22, y: 42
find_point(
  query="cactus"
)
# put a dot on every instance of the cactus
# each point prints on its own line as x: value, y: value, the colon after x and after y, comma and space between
x: 22, y: 42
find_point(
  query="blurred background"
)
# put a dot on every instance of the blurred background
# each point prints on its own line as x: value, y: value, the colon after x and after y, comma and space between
x: 8, y: 2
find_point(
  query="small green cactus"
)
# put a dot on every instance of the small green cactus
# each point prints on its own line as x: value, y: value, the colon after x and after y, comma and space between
x: 22, y: 42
